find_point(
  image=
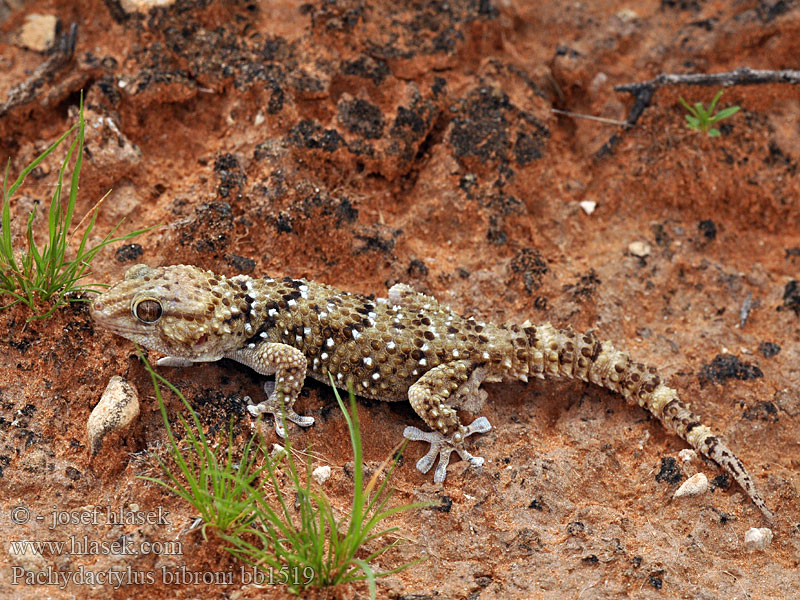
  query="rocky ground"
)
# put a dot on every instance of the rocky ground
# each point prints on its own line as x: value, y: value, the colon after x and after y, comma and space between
x: 364, y: 144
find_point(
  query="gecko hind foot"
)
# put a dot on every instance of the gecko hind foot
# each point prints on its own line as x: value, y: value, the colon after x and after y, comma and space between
x: 444, y: 447
x: 273, y: 406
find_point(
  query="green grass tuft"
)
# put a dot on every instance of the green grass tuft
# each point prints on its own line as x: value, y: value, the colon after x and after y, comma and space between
x: 703, y: 119
x: 44, y: 275
x: 209, y: 479
x: 296, y: 539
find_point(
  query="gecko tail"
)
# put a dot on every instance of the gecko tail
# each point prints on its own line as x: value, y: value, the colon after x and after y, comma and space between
x: 677, y: 416
x: 563, y: 352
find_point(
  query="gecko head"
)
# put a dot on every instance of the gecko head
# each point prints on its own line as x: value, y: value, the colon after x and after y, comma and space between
x: 180, y: 310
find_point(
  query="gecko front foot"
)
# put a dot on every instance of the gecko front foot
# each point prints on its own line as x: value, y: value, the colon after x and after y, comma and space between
x: 272, y: 405
x: 444, y: 446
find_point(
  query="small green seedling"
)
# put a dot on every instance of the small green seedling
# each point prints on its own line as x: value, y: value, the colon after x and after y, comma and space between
x: 703, y: 119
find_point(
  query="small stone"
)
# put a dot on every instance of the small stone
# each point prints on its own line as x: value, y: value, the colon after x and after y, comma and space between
x: 640, y: 249
x: 27, y: 558
x: 118, y: 406
x: 598, y: 82
x: 321, y: 474
x: 588, y: 206
x: 694, y: 486
x: 757, y: 539
x: 687, y: 455
x: 277, y: 450
x: 112, y: 150
x: 143, y: 6
x: 38, y: 33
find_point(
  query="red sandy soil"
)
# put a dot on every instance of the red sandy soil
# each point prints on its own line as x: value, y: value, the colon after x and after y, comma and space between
x: 362, y: 144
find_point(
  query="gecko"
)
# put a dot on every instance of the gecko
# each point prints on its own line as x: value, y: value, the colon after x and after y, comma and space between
x: 406, y: 346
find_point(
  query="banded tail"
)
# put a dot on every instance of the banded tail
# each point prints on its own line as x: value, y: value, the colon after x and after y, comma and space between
x: 543, y: 351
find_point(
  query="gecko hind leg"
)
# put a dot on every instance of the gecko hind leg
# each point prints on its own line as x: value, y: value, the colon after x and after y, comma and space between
x: 289, y: 367
x: 431, y: 397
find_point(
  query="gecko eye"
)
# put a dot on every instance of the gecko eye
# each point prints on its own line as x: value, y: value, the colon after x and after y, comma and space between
x: 147, y: 310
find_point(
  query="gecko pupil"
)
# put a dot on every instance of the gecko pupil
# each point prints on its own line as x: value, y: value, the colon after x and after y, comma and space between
x: 148, y: 311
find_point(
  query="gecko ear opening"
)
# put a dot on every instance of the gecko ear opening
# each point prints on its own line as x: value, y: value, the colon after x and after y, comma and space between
x: 137, y: 272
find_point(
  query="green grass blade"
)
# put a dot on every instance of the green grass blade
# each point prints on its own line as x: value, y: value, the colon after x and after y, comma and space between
x: 700, y: 111
x: 36, y: 161
x: 725, y: 113
x: 370, y: 576
x: 713, y: 104
x: 5, y: 222
x: 76, y: 171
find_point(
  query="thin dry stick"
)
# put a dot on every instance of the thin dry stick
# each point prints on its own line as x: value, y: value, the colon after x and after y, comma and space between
x: 741, y: 76
x: 575, y: 115
x: 643, y: 92
x: 89, y: 212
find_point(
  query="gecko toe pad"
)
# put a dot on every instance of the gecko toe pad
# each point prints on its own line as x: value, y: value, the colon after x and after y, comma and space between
x: 443, y: 447
x: 273, y: 407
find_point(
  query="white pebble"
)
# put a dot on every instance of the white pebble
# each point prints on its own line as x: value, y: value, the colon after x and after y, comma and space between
x: 687, y: 455
x: 321, y: 474
x: 118, y: 406
x: 277, y: 449
x: 588, y: 206
x: 143, y: 6
x: 694, y: 486
x: 38, y: 33
x: 757, y: 539
x: 27, y: 558
x: 640, y: 249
